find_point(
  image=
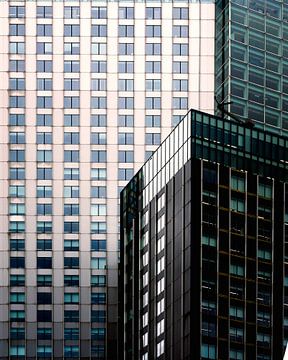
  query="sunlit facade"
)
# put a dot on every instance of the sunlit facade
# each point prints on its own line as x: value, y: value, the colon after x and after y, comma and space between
x: 87, y: 91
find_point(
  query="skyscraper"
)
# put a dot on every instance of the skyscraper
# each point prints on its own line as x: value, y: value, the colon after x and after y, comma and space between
x: 88, y: 90
x: 203, y: 270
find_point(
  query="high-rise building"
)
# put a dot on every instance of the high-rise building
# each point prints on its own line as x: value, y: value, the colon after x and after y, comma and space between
x: 204, y: 229
x: 251, y: 57
x: 88, y: 89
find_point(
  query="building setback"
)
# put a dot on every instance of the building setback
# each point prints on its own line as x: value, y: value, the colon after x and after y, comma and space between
x: 204, y: 224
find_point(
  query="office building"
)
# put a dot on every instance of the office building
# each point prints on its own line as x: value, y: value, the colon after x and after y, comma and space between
x: 251, y: 57
x: 203, y: 271
x: 87, y: 91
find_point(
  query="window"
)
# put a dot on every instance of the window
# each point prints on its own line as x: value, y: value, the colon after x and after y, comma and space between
x: 98, y: 227
x: 71, y: 12
x: 44, y: 66
x: 72, y: 30
x: 71, y: 66
x: 44, y: 102
x: 180, y: 31
x: 16, y: 119
x: 71, y: 102
x: 16, y: 11
x: 98, y: 120
x: 236, y: 269
x: 17, y: 191
x: 125, y: 156
x: 125, y: 102
x: 126, y: 12
x: 44, y: 48
x: 44, y: 280
x: 17, y: 155
x: 71, y: 119
x: 98, y: 316
x: 208, y: 351
x: 16, y: 65
x: 44, y: 244
x: 71, y: 138
x: 44, y: 209
x: 71, y: 155
x: 125, y: 85
x: 98, y: 245
x: 152, y: 120
x: 98, y: 299
x: 17, y: 47
x: 98, y: 174
x: 98, y: 66
x: 71, y: 262
x: 71, y: 334
x: 17, y: 333
x: 180, y: 67
x: 17, y: 262
x: 180, y: 49
x: 71, y: 84
x: 153, y: 103
x: 125, y: 138
x: 71, y: 315
x: 125, y: 30
x: 236, y: 334
x: 152, y: 138
x: 44, y: 138
x: 44, y: 12
x: 98, y: 156
x: 160, y: 348
x: 71, y: 351
x: 98, y: 210
x: 125, y: 66
x: 98, y: 48
x: 16, y: 101
x: 180, y: 13
x: 98, y: 263
x: 98, y: 280
x: 98, y: 138
x: 44, y: 120
x: 44, y: 155
x: 44, y: 333
x: 16, y: 29
x: 71, y: 174
x: 17, y: 226
x: 17, y: 280
x: 125, y: 174
x: 99, y: 30
x: 17, y: 351
x: 180, y: 85
x: 44, y: 30
x: 44, y: 263
x: 236, y: 354
x: 16, y: 209
x: 71, y: 48
x: 180, y: 103
x: 98, y: 102
x: 125, y: 120
x: 237, y: 183
x: 44, y: 298
x: 236, y: 312
x: 153, y: 30
x: 153, y: 85
x: 209, y: 240
x: 126, y: 49
x: 17, y: 173
x: 98, y: 12
x: 71, y: 227
x: 71, y: 245
x: 71, y: 209
x: 153, y: 13
x: 237, y: 205
x: 44, y: 227
x: 44, y: 84
x: 98, y: 334
x: 153, y: 67
x: 44, y: 173
x: 71, y: 280
x: 153, y: 48
x: 265, y: 190
x: 17, y: 138
x: 71, y: 298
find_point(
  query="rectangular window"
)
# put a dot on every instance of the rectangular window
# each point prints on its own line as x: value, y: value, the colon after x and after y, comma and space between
x: 98, y: 12
x: 153, y: 13
x: 98, y: 102
x: 71, y: 48
x: 153, y: 30
x: 44, y: 155
x: 17, y: 138
x: 16, y: 119
x: 98, y: 280
x: 71, y: 66
x: 98, y: 209
x: 71, y: 174
x: 98, y: 138
x: 125, y: 66
x: 180, y: 13
x: 44, y: 12
x: 126, y: 49
x: 125, y: 174
x: 126, y: 31
x: 98, y: 66
x: 98, y: 156
x: 44, y: 120
x: 125, y: 120
x: 180, y: 67
x: 125, y: 156
x: 153, y: 85
x: 98, y: 245
x: 44, y: 84
x: 98, y: 48
x: 125, y: 84
x: 126, y: 12
x: 44, y: 138
x: 17, y: 84
x: 153, y: 67
x: 180, y: 103
x: 152, y: 138
x: 180, y: 31
x: 71, y: 138
x: 72, y: 30
x: 98, y: 84
x: 17, y: 47
x: 180, y: 85
x: 44, y: 48
x: 125, y: 102
x: 180, y: 49
x: 44, y: 30
x: 71, y: 119
x: 99, y: 30
x: 71, y: 155
x: 153, y: 120
x: 153, y: 48
x: 98, y: 227
x: 71, y: 12
x: 16, y: 11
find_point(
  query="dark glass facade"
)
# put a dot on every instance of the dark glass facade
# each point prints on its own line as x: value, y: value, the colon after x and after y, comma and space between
x: 251, y: 54
x: 203, y: 271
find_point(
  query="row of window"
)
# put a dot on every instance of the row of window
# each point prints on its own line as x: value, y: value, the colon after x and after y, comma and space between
x: 97, y: 66
x: 98, y: 85
x: 99, y: 12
